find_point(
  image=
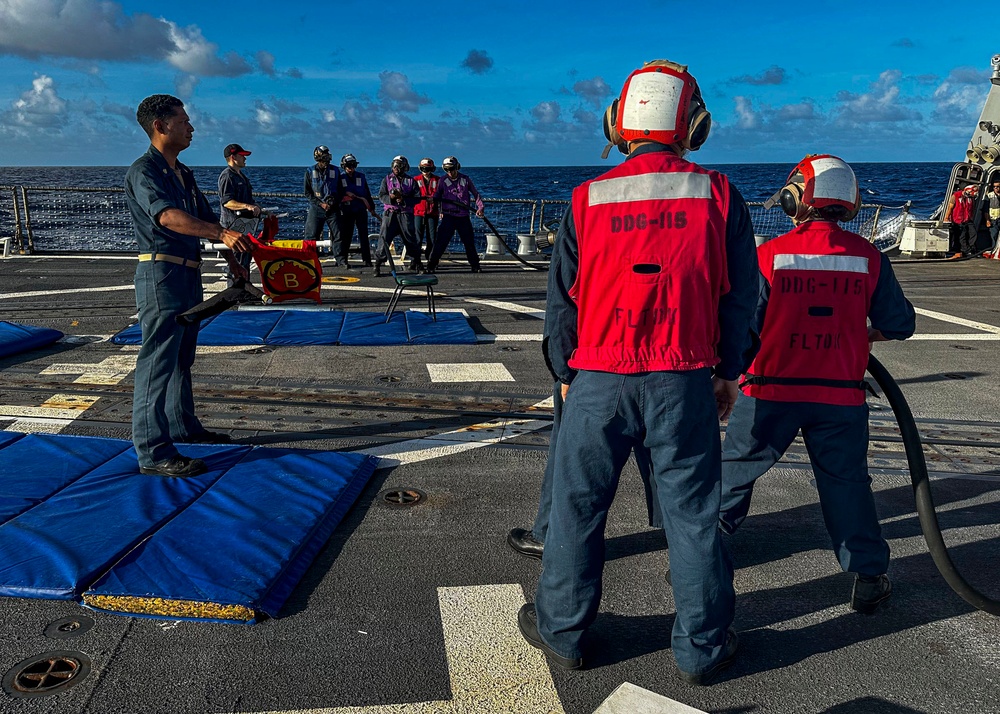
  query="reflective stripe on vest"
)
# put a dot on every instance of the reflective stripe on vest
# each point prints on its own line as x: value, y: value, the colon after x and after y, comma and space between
x: 650, y: 187
x: 815, y: 335
x: 652, y: 247
x: 328, y: 185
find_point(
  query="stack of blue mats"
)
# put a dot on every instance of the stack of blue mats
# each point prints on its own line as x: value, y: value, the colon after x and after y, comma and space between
x: 77, y: 521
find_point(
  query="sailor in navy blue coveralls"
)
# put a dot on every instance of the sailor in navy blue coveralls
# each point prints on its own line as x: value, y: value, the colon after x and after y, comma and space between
x: 798, y: 382
x: 167, y: 283
x: 680, y: 427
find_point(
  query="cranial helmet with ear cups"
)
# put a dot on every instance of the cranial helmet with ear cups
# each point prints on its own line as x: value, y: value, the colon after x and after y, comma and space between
x: 821, y: 184
x: 402, y: 161
x: 660, y: 102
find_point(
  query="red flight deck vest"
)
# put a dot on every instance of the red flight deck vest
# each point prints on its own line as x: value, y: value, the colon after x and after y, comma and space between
x: 652, y: 266
x: 428, y: 185
x: 815, y: 335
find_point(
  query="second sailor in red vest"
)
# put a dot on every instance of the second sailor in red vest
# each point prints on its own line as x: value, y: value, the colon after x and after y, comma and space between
x: 455, y: 195
x: 652, y: 287
x: 425, y: 213
x: 825, y: 284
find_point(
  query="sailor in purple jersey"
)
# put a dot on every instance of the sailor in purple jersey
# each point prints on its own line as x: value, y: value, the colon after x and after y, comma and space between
x: 455, y: 194
x: 398, y: 193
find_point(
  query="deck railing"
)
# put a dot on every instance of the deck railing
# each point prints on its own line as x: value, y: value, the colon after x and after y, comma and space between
x: 82, y: 218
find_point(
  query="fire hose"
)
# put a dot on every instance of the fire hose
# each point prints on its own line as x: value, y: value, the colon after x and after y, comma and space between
x: 922, y: 491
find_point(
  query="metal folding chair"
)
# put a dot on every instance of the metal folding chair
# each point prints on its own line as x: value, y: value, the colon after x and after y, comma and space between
x: 410, y: 281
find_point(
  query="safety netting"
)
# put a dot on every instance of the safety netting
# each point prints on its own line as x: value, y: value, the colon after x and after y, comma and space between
x: 78, y: 521
x: 55, y: 218
x: 881, y: 225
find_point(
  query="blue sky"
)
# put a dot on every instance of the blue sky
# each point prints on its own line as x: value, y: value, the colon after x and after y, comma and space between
x: 511, y: 83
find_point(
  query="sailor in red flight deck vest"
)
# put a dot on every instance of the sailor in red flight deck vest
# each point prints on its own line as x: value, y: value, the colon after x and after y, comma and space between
x: 652, y: 288
x: 824, y: 284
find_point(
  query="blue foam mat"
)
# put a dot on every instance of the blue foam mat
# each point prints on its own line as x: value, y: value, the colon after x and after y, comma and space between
x: 267, y: 549
x: 242, y: 533
x: 15, y: 339
x: 292, y: 327
x: 57, y: 548
x: 307, y: 328
x: 44, y: 464
x: 370, y: 328
x: 450, y: 328
x: 239, y: 328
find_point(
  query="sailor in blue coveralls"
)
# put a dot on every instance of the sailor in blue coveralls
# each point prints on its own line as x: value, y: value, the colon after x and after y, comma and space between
x: 169, y: 215
x: 652, y: 234
x: 356, y: 199
x: 238, y: 210
x: 823, y: 286
x: 322, y: 189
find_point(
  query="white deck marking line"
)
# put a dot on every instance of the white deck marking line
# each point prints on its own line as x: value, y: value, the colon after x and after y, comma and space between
x: 508, y: 306
x: 469, y: 372
x: 456, y: 441
x: 957, y: 320
x: 977, y: 336
x: 490, y: 666
x: 490, y: 337
x: 54, y: 415
x: 74, y: 291
x: 984, y: 500
x: 499, y: 304
x: 634, y: 699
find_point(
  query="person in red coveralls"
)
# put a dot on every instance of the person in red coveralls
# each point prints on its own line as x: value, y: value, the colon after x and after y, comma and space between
x: 962, y: 233
x: 425, y: 213
x: 652, y: 289
x: 825, y: 285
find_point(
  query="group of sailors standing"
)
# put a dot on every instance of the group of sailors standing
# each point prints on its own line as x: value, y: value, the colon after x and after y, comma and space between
x: 663, y: 319
x: 660, y: 310
x: 423, y: 211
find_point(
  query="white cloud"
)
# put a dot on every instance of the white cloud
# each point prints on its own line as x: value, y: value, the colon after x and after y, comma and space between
x: 881, y: 103
x: 746, y: 116
x: 265, y: 60
x: 396, y: 92
x: 772, y: 75
x: 594, y: 90
x: 546, y: 112
x: 185, y: 84
x: 40, y: 106
x: 194, y: 54
x: 96, y: 30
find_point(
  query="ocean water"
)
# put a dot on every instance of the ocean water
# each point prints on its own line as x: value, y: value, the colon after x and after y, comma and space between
x: 92, y: 221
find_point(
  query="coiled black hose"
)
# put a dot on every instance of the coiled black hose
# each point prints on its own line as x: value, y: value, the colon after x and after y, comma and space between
x: 922, y: 491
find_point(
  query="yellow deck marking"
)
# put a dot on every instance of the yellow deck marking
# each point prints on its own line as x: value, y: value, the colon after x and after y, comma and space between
x: 73, y: 402
x: 341, y: 279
